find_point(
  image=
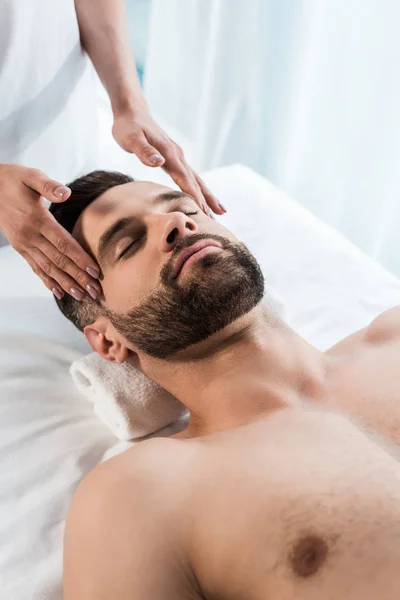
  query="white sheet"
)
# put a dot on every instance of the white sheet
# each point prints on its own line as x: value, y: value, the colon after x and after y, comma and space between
x: 49, y: 437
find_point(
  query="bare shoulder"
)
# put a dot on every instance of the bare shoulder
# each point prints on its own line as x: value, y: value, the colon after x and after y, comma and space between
x: 123, y: 533
x: 147, y: 466
x: 383, y: 328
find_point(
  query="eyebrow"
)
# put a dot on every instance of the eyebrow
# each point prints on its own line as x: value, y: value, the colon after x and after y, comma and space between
x: 107, y: 238
x: 170, y: 196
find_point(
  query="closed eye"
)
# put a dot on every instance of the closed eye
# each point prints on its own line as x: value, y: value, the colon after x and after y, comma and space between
x: 129, y: 246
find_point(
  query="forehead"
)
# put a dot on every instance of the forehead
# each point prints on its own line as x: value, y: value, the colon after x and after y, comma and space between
x: 127, y: 199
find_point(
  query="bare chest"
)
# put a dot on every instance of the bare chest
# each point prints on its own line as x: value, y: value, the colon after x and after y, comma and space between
x: 366, y: 385
x: 298, y: 506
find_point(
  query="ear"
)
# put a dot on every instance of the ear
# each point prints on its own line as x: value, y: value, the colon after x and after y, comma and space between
x: 107, y: 342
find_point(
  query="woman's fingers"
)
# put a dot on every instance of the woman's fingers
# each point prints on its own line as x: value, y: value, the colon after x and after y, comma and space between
x: 71, y: 249
x: 48, y: 188
x: 147, y: 153
x: 58, y: 266
x: 183, y: 176
x: 35, y: 234
x: 141, y: 134
x: 188, y: 181
x: 137, y: 132
x: 211, y: 200
x: 54, y: 274
x: 50, y: 283
x: 175, y: 164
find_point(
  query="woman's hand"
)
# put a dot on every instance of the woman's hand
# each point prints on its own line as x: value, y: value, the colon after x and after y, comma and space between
x: 137, y: 132
x: 31, y: 229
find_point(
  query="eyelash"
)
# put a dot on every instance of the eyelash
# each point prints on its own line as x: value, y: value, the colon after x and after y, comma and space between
x: 188, y: 214
x: 128, y: 247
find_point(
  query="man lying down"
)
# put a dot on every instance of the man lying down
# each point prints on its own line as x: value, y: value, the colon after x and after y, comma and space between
x: 286, y: 482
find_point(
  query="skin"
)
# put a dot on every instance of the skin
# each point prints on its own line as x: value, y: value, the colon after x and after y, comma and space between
x: 52, y: 253
x: 286, y: 482
x: 104, y: 35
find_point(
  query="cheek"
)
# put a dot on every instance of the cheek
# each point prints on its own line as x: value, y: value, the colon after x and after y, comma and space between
x: 223, y: 231
x: 125, y: 288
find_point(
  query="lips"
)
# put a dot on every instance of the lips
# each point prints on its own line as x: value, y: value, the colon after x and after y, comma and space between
x: 188, y: 252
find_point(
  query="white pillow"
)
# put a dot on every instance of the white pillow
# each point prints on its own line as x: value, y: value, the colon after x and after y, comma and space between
x: 50, y: 437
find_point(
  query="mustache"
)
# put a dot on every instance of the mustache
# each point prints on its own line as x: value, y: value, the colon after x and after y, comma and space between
x: 166, y: 274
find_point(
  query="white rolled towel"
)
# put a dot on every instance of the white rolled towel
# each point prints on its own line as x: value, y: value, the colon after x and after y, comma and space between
x: 127, y: 401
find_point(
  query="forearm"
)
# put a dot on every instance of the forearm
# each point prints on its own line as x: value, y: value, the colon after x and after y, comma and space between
x: 104, y: 35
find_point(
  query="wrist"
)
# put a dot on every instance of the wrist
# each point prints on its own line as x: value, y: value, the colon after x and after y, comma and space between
x: 128, y: 102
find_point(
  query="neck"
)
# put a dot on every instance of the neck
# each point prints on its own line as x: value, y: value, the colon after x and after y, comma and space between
x: 253, y: 366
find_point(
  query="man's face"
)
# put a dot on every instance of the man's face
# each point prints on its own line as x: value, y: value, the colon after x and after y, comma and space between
x: 160, y: 300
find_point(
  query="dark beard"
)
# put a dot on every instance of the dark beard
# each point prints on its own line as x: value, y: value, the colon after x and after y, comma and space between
x: 226, y: 286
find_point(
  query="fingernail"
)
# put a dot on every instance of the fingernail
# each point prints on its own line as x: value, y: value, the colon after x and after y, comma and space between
x: 93, y: 272
x: 61, y: 191
x: 156, y: 158
x: 92, y: 291
x: 222, y: 207
x: 58, y: 293
x: 78, y: 294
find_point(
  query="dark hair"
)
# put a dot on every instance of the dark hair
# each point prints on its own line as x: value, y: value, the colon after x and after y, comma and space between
x: 84, y: 190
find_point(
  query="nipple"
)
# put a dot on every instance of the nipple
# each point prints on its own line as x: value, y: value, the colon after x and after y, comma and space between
x: 308, y: 555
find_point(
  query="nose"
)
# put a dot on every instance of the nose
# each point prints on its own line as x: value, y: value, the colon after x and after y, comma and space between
x: 175, y: 227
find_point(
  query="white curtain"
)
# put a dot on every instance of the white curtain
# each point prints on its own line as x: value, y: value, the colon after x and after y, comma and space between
x: 306, y: 92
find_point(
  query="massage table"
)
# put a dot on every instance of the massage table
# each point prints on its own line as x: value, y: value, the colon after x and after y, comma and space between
x: 49, y: 435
